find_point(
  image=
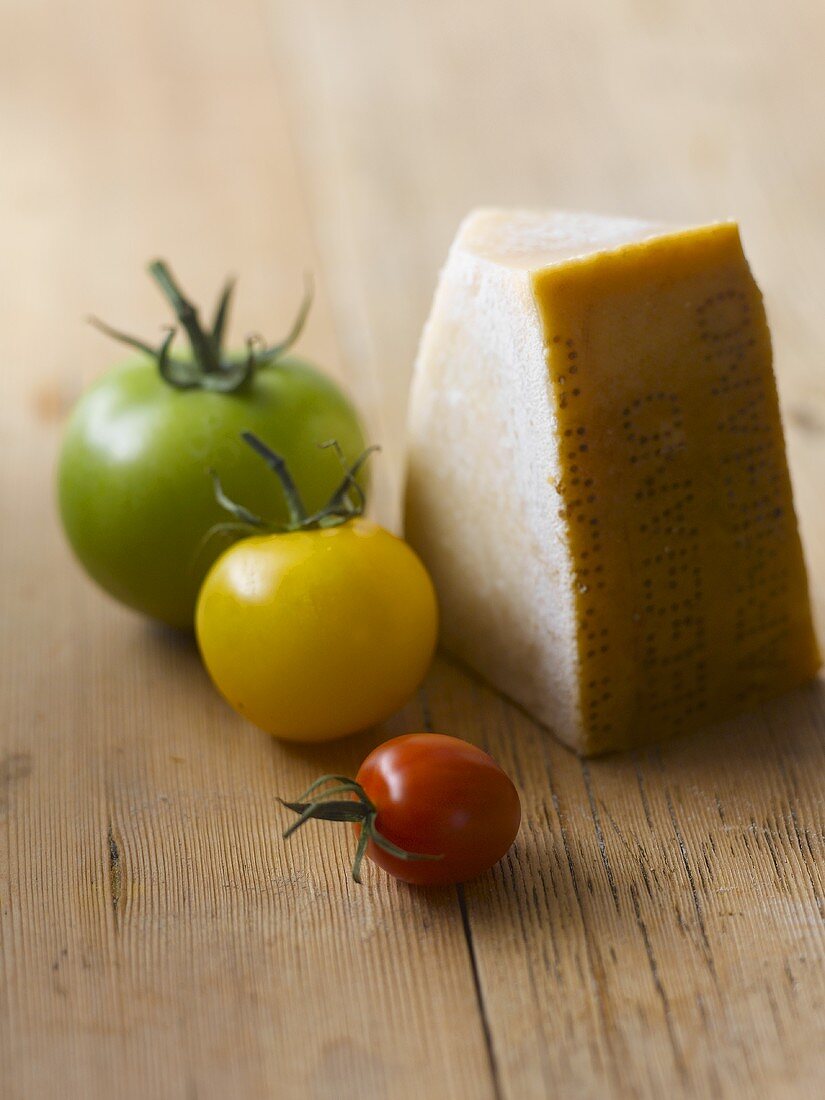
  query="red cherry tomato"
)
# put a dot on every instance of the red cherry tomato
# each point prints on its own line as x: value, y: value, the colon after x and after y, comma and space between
x: 435, y: 809
x: 438, y: 795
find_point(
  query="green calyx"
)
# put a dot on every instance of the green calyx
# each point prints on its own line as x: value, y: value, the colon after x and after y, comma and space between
x: 209, y: 367
x: 360, y: 810
x: 346, y: 502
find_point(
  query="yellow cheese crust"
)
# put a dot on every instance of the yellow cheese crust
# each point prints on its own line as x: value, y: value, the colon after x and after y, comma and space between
x: 690, y: 588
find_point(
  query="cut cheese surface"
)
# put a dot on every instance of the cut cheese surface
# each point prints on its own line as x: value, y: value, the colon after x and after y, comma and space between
x: 597, y: 476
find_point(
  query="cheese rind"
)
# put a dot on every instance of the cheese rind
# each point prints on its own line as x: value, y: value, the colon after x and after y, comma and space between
x: 597, y: 478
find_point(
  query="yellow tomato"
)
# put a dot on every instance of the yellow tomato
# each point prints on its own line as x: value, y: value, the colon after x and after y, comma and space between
x: 315, y: 634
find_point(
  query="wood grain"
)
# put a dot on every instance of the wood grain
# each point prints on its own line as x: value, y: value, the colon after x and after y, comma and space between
x: 658, y: 928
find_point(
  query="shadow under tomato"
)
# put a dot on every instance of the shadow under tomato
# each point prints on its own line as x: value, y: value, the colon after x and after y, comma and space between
x: 173, y: 637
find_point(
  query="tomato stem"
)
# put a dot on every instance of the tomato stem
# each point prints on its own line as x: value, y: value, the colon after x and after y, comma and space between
x: 343, y: 779
x: 202, y: 346
x: 123, y: 337
x: 276, y: 463
x: 360, y: 852
x: 221, y: 315
x: 238, y: 511
x: 358, y: 810
x: 275, y: 351
x: 208, y: 368
x: 346, y: 502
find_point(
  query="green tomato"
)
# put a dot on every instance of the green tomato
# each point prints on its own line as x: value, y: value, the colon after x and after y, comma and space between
x: 136, y: 495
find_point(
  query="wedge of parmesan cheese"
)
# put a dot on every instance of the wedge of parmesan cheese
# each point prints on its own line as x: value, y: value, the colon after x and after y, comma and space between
x: 597, y: 476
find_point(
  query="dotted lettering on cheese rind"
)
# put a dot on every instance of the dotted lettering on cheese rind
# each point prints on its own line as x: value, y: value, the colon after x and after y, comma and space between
x: 667, y: 578
x: 754, y: 483
x: 658, y: 463
x: 580, y: 513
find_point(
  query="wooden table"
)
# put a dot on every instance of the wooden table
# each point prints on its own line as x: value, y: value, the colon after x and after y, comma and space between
x: 658, y: 928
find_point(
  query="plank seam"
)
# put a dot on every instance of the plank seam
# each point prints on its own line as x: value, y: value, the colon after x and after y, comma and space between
x: 492, y: 1061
